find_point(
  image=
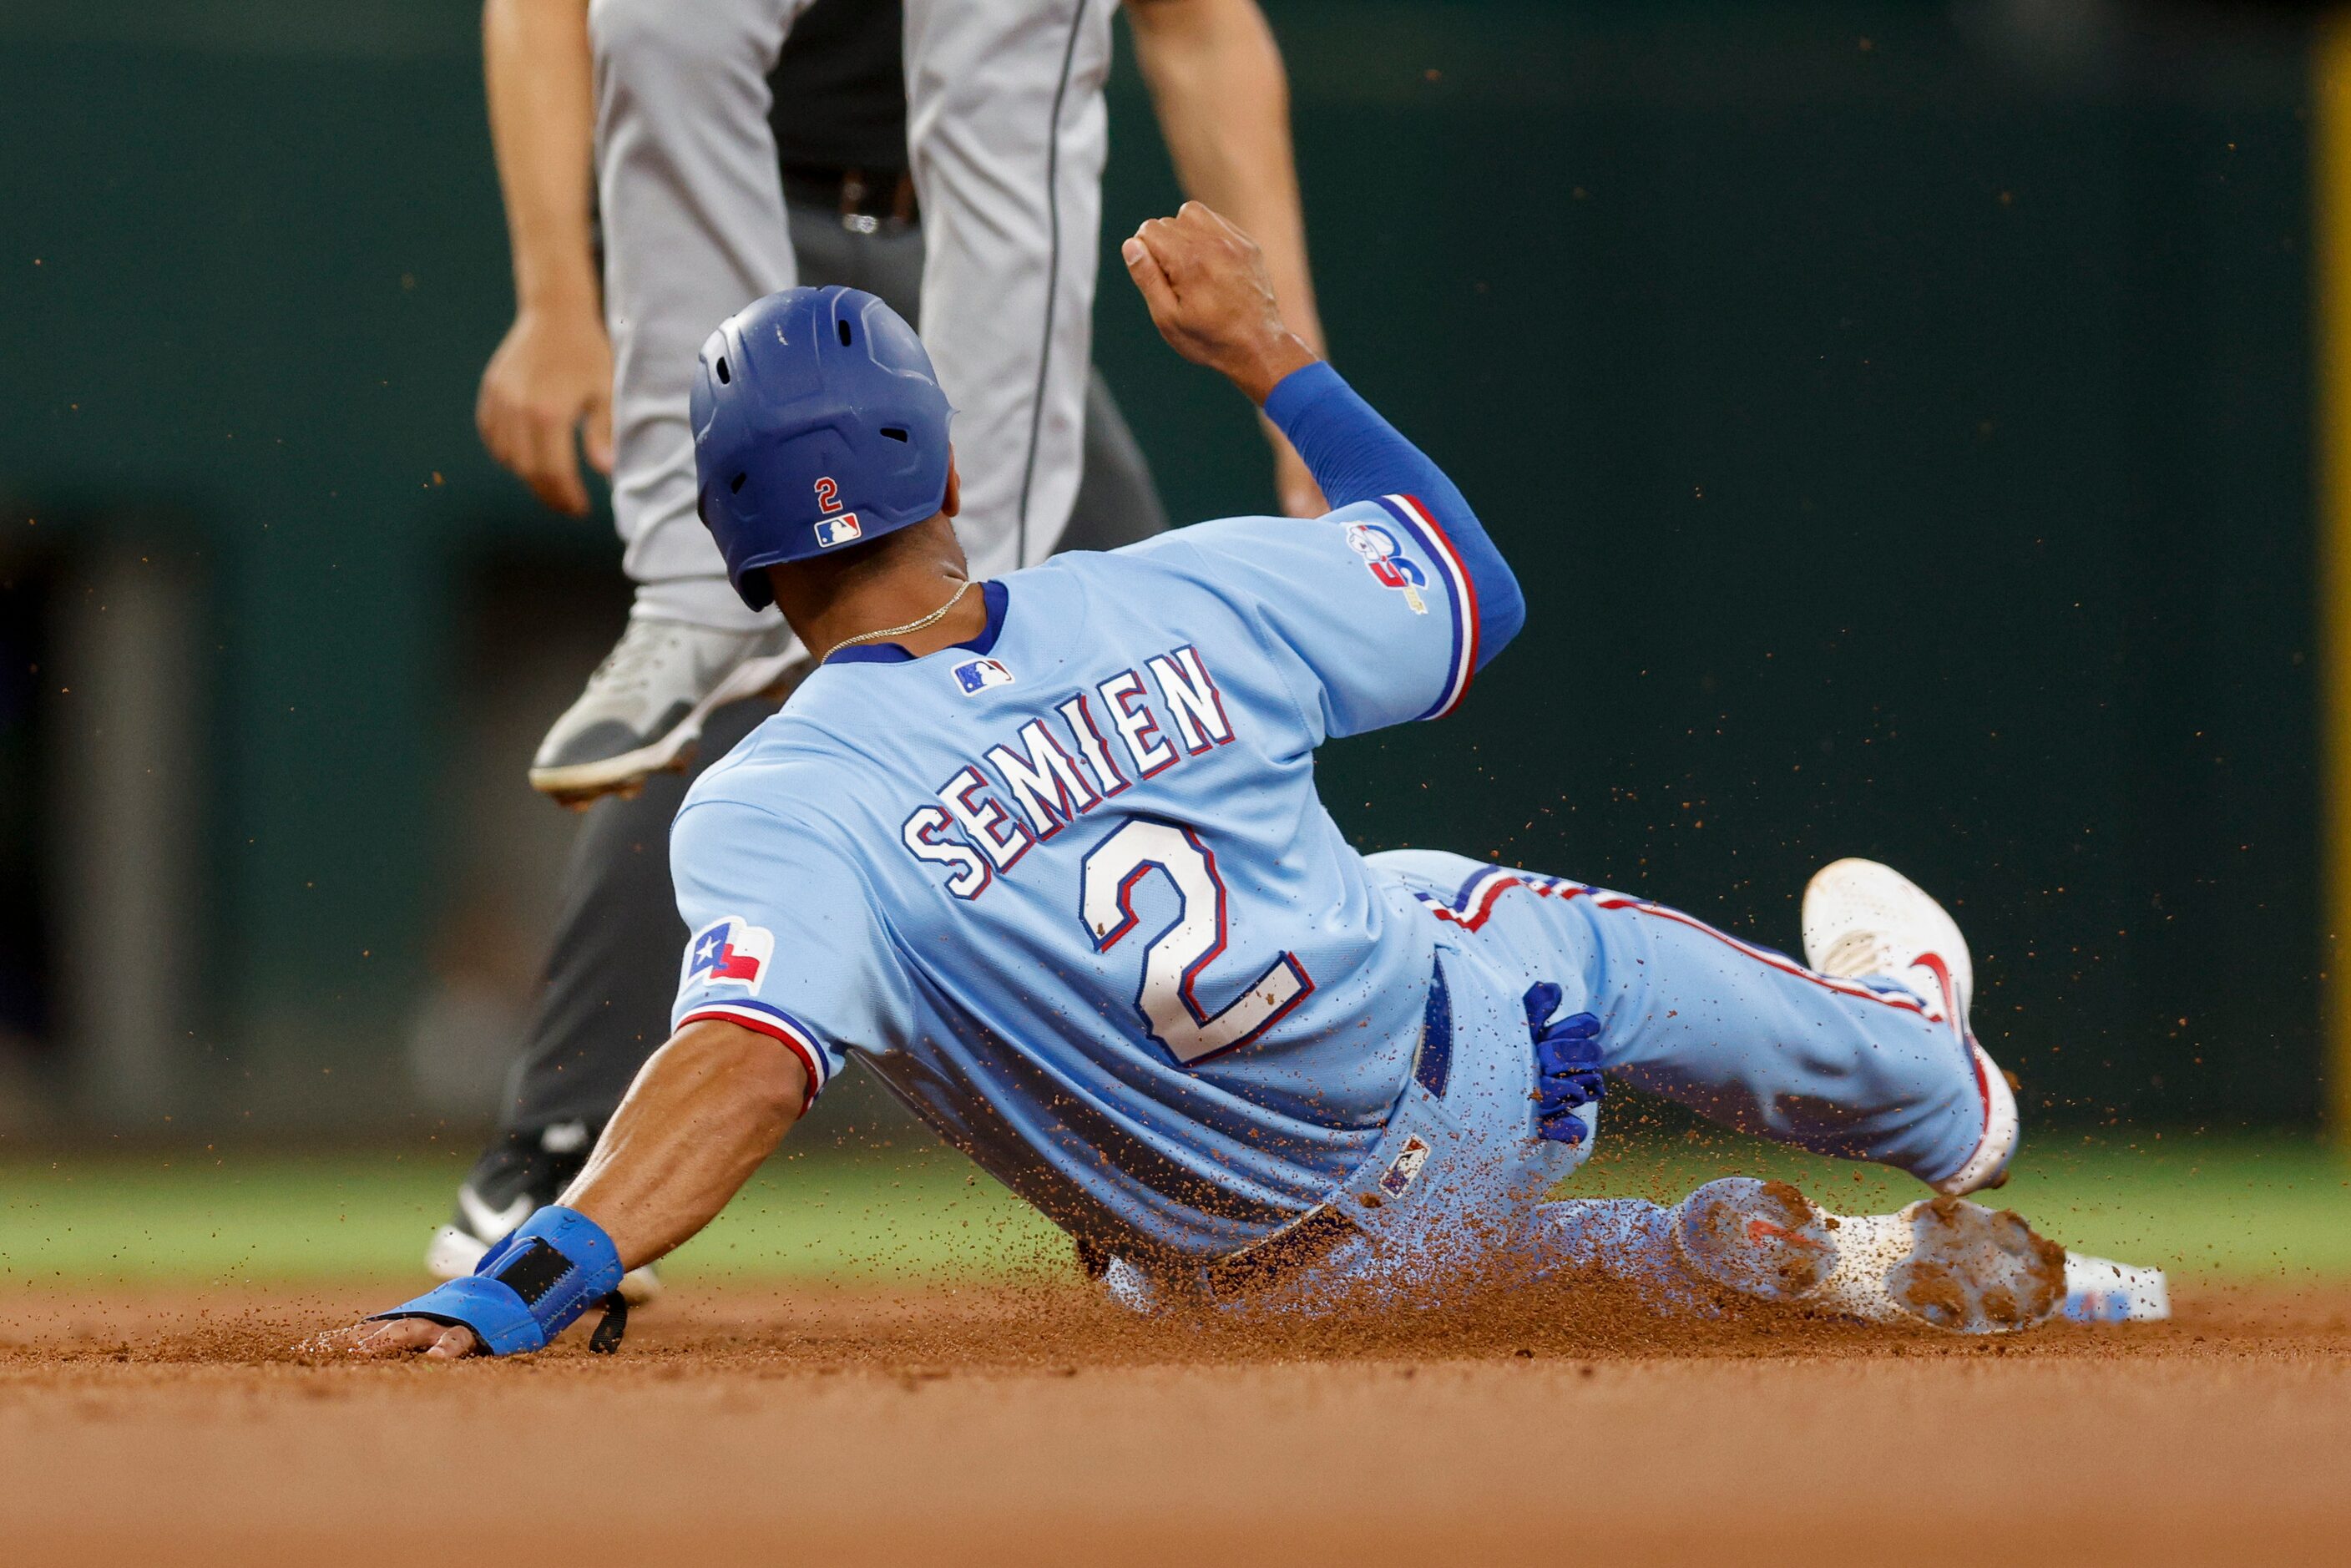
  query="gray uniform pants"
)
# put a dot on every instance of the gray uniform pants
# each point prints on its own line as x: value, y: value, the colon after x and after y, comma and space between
x: 1006, y: 131
x: 614, y: 971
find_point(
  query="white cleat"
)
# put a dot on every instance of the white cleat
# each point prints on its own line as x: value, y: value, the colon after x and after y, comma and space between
x: 644, y: 706
x: 1942, y: 1261
x: 2101, y: 1291
x: 1867, y: 921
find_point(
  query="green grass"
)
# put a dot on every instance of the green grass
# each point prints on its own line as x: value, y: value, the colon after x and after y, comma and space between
x: 2237, y: 1207
x: 266, y: 1216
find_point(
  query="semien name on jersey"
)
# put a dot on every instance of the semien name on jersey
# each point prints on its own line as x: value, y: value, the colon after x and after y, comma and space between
x: 1060, y: 765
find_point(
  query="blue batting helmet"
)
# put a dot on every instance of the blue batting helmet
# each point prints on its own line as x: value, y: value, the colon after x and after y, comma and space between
x: 818, y: 423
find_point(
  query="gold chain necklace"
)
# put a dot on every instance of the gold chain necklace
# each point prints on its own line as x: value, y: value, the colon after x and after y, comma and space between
x: 933, y: 619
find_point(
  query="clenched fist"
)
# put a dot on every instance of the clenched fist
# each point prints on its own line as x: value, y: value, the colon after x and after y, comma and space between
x: 1209, y: 297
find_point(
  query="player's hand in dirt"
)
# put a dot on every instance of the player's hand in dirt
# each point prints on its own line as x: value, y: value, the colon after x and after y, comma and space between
x: 407, y: 1336
x: 1209, y: 297
x: 546, y: 396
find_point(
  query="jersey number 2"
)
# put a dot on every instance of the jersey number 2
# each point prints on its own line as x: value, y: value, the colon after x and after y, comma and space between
x: 1172, y: 964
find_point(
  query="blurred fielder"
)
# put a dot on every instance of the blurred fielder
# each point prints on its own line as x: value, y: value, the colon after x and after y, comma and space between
x: 1044, y: 850
x: 836, y: 125
x: 1006, y: 134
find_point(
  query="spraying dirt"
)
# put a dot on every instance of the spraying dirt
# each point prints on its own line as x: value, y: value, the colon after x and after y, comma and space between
x: 1037, y: 1424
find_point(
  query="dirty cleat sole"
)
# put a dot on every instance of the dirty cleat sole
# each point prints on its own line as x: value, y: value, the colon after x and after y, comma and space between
x: 1943, y: 1261
x: 1972, y: 1269
x: 1759, y: 1239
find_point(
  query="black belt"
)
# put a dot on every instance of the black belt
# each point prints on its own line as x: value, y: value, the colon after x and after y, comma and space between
x: 866, y: 199
x: 1313, y: 1235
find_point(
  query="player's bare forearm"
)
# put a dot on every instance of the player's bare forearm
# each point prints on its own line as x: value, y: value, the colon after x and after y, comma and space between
x: 1223, y: 97
x: 541, y: 83
x: 1222, y: 94
x: 703, y: 1114
x: 1205, y: 283
x: 547, y: 390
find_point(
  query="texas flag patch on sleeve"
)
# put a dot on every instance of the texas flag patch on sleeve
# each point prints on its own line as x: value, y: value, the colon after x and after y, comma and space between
x: 729, y: 951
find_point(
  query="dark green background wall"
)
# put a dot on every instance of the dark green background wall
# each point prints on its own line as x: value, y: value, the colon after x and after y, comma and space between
x: 1901, y: 428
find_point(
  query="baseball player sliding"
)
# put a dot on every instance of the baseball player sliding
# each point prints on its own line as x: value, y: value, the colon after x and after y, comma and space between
x: 1045, y: 851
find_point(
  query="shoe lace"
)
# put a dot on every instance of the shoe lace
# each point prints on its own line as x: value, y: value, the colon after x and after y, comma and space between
x: 1855, y: 954
x: 1863, y: 954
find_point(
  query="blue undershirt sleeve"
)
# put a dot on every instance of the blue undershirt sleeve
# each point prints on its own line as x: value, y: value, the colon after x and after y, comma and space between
x: 1356, y: 455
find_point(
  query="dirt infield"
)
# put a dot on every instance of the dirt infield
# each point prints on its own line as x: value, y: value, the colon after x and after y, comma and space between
x: 1026, y: 1427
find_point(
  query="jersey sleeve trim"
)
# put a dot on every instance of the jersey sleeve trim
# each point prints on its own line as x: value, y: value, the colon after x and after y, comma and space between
x: 1459, y: 590
x: 776, y: 1024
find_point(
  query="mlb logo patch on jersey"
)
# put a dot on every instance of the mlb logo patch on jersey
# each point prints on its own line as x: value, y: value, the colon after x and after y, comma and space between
x: 839, y: 530
x: 1389, y: 566
x: 976, y: 676
x: 729, y: 952
x: 1404, y: 1168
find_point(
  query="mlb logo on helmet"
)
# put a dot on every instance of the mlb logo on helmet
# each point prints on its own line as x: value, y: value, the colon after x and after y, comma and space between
x: 839, y: 530
x: 975, y: 676
x: 730, y: 952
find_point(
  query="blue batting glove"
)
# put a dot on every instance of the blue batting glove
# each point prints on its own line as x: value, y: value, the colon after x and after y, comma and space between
x: 1567, y: 1065
x: 530, y: 1287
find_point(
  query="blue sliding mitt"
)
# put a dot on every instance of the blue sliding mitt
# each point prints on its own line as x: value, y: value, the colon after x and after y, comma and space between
x: 532, y: 1286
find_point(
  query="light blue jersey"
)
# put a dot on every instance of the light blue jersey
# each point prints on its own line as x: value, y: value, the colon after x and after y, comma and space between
x: 1069, y: 889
